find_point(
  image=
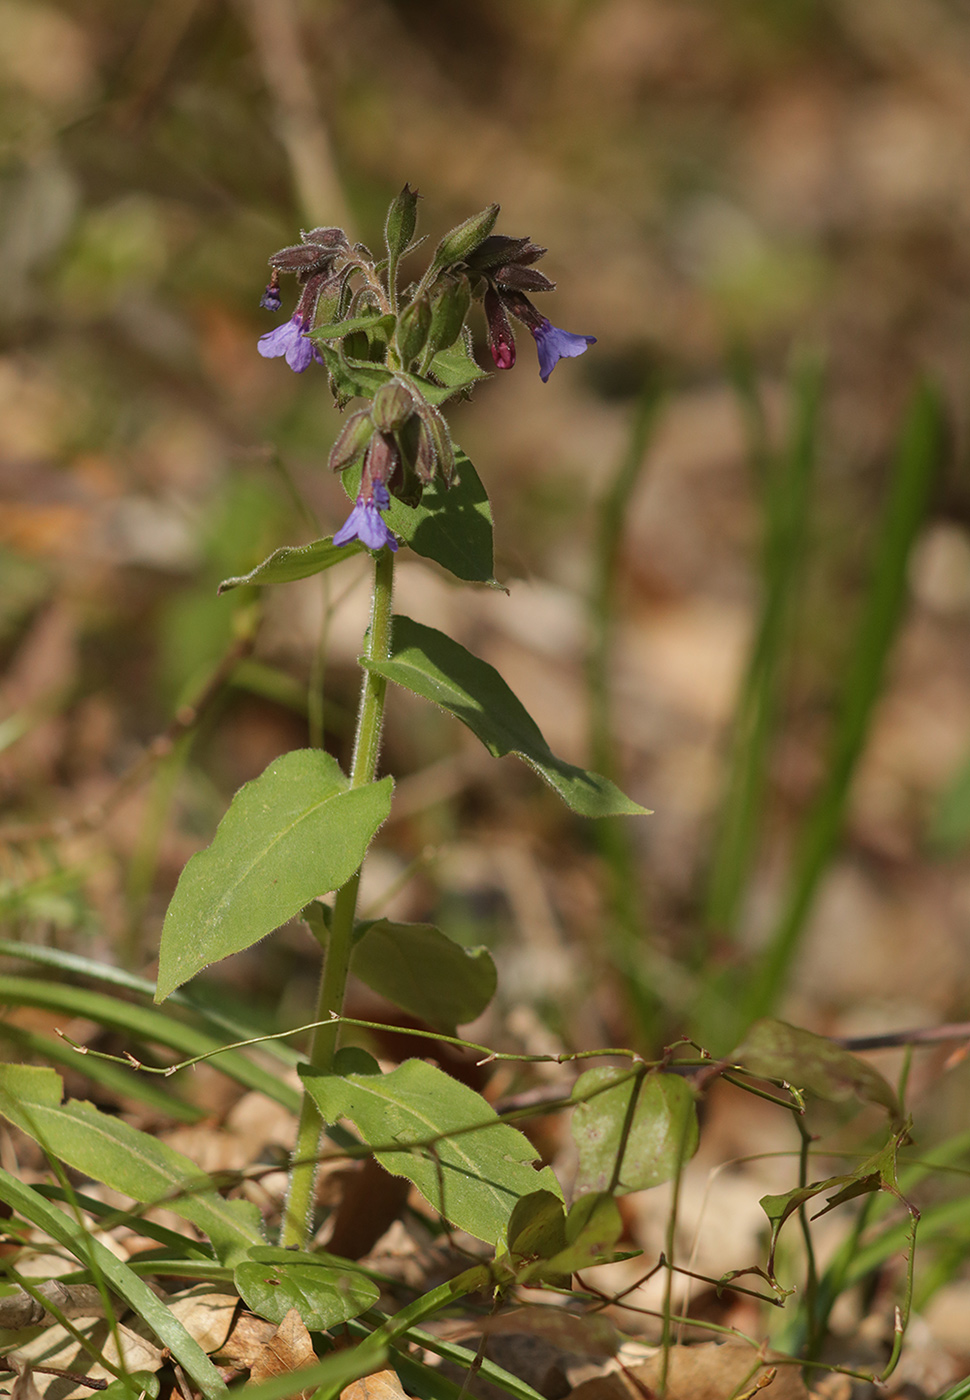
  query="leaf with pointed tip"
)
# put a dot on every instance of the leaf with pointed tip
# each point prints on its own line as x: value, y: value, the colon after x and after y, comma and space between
x: 90, y: 1252
x: 107, y: 1149
x: 293, y: 562
x: 336, y: 330
x: 473, y: 1168
x: 295, y: 832
x: 434, y: 666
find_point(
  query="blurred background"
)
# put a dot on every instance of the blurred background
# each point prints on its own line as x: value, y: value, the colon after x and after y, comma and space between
x: 735, y: 534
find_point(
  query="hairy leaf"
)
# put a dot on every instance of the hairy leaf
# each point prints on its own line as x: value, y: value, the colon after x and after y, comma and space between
x: 293, y: 833
x: 434, y: 666
x: 293, y: 562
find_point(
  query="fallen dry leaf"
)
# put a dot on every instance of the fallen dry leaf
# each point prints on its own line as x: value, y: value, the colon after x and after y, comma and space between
x: 379, y: 1385
x: 289, y: 1349
x: 708, y: 1371
x: 206, y: 1314
x: 247, y: 1337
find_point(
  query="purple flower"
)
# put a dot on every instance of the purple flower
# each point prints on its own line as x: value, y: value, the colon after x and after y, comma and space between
x: 290, y: 339
x: 365, y: 523
x: 554, y: 345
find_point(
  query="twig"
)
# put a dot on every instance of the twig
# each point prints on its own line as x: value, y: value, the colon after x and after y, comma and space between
x: 76, y: 1377
x: 927, y: 1035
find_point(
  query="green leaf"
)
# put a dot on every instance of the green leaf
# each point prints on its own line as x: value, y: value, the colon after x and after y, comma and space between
x: 473, y: 1178
x: 353, y: 378
x: 434, y: 666
x: 593, y: 1226
x: 293, y: 833
x: 780, y: 1051
x: 336, y: 330
x: 634, y: 1135
x: 137, y: 1164
x: 455, y: 367
x: 420, y: 969
x: 139, y: 1297
x: 275, y: 1280
x: 877, y: 1173
x: 451, y: 525
x: 132, y: 1387
x: 537, y: 1226
x: 294, y: 561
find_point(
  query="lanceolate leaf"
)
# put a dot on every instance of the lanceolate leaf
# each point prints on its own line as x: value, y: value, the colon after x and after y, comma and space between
x: 109, y: 1150
x: 474, y: 1178
x: 420, y: 969
x: 293, y: 833
x: 295, y: 561
x: 634, y: 1135
x: 136, y: 1293
x: 427, y: 662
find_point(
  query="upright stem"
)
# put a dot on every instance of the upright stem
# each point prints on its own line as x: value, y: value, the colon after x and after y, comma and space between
x: 297, y: 1215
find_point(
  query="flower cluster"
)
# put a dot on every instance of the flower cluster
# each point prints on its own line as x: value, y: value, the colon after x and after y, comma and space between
x: 386, y: 345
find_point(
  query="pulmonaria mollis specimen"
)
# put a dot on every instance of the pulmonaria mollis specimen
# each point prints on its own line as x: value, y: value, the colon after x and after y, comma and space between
x: 405, y: 350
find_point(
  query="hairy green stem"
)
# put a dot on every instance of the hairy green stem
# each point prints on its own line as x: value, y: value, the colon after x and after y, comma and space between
x: 297, y: 1215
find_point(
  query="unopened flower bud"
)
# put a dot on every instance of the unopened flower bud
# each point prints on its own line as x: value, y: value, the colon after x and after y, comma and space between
x: 523, y: 279
x: 412, y: 330
x: 501, y: 341
x: 499, y: 249
x: 433, y: 425
x: 354, y: 437
x: 448, y: 312
x: 456, y: 245
x: 402, y: 218
x: 393, y: 406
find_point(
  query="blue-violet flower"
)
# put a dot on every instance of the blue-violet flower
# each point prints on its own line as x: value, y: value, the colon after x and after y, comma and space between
x: 365, y: 522
x: 554, y: 344
x: 290, y: 339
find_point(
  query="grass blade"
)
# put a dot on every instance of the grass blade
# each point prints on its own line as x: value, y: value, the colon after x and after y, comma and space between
x: 917, y: 461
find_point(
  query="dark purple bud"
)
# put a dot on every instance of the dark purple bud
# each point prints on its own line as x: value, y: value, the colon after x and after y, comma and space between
x: 303, y: 258
x: 523, y: 279
x: 333, y: 239
x: 501, y: 341
x: 365, y: 522
x: 435, y: 428
x: 380, y: 462
x: 313, y: 289
x: 271, y: 297
x: 500, y: 249
x: 554, y: 345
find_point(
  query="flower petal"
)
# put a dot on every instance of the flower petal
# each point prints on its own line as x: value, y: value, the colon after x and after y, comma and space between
x: 554, y: 344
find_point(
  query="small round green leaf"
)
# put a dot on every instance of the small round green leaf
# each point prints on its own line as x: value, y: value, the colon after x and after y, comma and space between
x: 634, y: 1135
x: 323, y: 1295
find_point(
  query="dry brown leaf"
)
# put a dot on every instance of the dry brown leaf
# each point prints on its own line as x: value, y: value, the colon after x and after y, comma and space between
x: 206, y: 1314
x: 289, y: 1349
x: 590, y: 1335
x: 708, y: 1371
x: 24, y: 1386
x: 247, y: 1337
x: 379, y: 1385
x: 56, y: 1347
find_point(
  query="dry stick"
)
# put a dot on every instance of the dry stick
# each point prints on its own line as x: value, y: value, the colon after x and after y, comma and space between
x: 76, y: 1377
x: 929, y: 1035
x: 302, y: 132
x: 186, y: 717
